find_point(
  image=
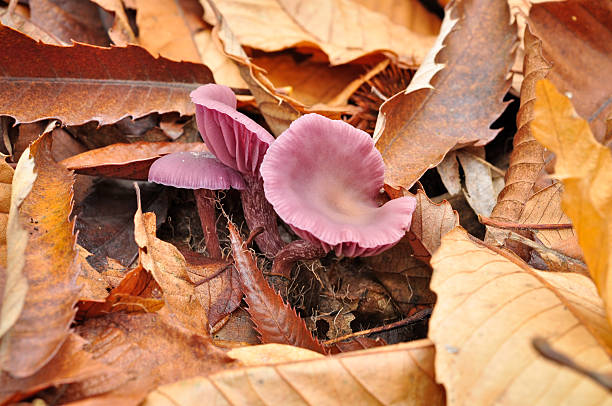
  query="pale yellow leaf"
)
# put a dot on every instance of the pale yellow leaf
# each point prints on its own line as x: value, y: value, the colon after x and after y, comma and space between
x: 400, y: 374
x: 585, y: 166
x: 490, y: 309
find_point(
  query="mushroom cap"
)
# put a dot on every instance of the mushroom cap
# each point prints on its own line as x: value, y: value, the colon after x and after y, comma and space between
x: 323, y: 177
x: 194, y: 170
x: 236, y: 140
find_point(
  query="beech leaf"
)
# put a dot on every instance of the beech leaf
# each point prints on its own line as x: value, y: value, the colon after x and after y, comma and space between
x: 489, y: 310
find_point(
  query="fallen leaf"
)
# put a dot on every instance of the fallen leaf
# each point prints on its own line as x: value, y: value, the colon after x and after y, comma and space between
x: 276, y: 321
x: 6, y: 179
x: 70, y: 364
x: 489, y: 310
x: 120, y: 32
x: 266, y: 354
x: 584, y: 165
x: 407, y: 13
x: 479, y: 189
x: 169, y: 268
x: 217, y: 285
x: 418, y: 127
x: 527, y: 157
x: 69, y: 20
x: 137, y: 292
x: 144, y: 351
x: 85, y: 79
x: 104, y: 221
x: 274, y: 25
x: 127, y: 161
x: 50, y: 263
x: 395, y: 374
x: 93, y: 285
x: 20, y: 23
x: 577, y: 39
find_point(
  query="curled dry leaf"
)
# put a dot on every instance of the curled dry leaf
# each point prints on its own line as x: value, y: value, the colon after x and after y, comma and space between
x: 117, y: 82
x: 577, y: 38
x: 408, y: 13
x: 395, y: 374
x: 276, y: 321
x: 127, y: 161
x: 120, y: 32
x: 20, y: 23
x: 527, y: 157
x: 585, y: 167
x: 6, y: 178
x: 489, y: 310
x: 416, y: 128
x: 49, y: 258
x: 273, y: 25
x: 148, y: 350
x: 70, y: 364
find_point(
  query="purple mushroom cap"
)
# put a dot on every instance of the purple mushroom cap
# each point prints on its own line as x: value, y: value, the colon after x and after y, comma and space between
x: 194, y: 170
x: 323, y: 177
x: 235, y: 139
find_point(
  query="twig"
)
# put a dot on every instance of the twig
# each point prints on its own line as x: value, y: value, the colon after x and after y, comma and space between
x: 409, y: 320
x: 521, y: 226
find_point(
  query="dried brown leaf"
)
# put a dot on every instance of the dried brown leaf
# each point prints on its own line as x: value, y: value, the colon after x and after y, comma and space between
x: 144, y: 351
x: 396, y: 374
x: 416, y: 128
x: 275, y: 320
x: 489, y: 310
x: 70, y: 364
x: 577, y: 39
x: 69, y: 20
x: 120, y: 32
x: 527, y: 157
x: 407, y: 13
x: 128, y: 161
x: 91, y: 83
x: 20, y: 23
x: 50, y: 265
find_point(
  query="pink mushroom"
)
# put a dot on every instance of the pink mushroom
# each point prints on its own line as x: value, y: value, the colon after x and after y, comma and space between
x: 240, y: 143
x: 203, y: 173
x: 323, y: 178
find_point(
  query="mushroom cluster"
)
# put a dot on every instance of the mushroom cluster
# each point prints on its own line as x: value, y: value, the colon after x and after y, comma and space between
x: 322, y: 177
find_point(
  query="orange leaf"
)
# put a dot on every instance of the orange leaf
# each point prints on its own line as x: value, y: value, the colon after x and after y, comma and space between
x: 50, y: 263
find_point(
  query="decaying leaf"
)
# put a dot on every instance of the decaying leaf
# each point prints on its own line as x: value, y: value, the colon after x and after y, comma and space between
x: 395, y: 374
x: 127, y: 161
x: 20, y: 23
x: 148, y: 350
x: 6, y: 179
x: 50, y: 263
x: 577, y: 38
x: 91, y: 83
x: 273, y: 25
x: 416, y: 128
x: 489, y: 310
x: 527, y: 157
x: 120, y: 32
x: 276, y: 321
x: 585, y: 167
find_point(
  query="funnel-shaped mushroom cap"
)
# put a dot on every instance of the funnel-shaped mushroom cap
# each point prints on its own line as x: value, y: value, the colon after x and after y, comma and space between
x: 235, y: 139
x: 323, y: 177
x: 194, y: 170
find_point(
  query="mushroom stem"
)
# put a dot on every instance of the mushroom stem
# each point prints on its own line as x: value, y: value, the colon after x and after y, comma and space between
x: 259, y: 213
x: 205, y: 201
x: 298, y: 250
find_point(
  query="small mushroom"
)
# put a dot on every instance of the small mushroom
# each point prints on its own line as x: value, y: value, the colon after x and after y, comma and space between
x: 240, y: 143
x: 323, y: 178
x: 203, y: 173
